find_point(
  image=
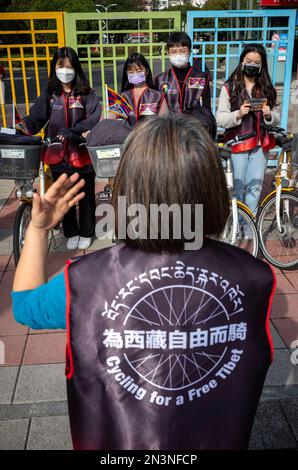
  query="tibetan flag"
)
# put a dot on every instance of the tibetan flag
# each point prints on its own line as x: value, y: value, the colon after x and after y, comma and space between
x: 117, y: 104
x: 148, y: 109
x: 20, y: 124
x: 197, y: 83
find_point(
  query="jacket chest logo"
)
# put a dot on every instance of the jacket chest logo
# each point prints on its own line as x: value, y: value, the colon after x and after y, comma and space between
x: 196, y: 83
x: 148, y: 109
x: 75, y: 102
x: 55, y: 104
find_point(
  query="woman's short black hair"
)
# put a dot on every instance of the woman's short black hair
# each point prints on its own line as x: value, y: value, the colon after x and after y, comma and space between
x: 138, y: 59
x: 172, y: 160
x: 80, y: 82
x: 178, y: 38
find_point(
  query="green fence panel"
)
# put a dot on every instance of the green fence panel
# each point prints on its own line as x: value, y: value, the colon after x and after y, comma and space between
x: 103, y: 41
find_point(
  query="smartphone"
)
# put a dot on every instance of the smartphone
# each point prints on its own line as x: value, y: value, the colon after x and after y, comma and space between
x: 256, y: 104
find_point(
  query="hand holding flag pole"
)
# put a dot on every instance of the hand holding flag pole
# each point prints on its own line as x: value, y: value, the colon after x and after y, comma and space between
x: 18, y: 121
x: 117, y: 104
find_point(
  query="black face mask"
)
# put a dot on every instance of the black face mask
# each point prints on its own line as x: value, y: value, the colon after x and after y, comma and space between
x: 251, y: 70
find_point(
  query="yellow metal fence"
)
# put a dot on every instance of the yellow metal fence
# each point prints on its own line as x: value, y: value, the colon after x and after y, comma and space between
x: 102, y: 41
x: 27, y: 42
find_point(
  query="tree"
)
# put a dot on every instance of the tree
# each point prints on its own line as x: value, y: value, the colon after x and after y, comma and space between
x: 52, y: 5
x: 73, y: 6
x: 217, y: 5
x: 125, y: 5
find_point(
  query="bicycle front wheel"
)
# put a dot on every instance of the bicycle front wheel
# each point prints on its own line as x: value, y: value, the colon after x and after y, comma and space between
x: 244, y: 234
x: 21, y: 223
x: 280, y: 247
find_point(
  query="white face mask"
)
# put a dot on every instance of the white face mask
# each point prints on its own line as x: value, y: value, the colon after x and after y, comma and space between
x: 65, y: 75
x: 179, y: 60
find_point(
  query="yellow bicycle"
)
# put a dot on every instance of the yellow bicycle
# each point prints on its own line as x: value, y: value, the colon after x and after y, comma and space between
x: 23, y: 163
x: 240, y: 229
x: 277, y: 218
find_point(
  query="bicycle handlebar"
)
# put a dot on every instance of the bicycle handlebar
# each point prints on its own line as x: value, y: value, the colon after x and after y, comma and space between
x: 52, y: 141
x: 282, y: 138
x: 275, y: 129
x: 240, y: 138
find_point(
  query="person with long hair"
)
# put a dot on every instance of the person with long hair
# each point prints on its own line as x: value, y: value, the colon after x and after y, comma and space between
x: 138, y: 90
x: 170, y: 349
x: 67, y: 103
x: 238, y: 113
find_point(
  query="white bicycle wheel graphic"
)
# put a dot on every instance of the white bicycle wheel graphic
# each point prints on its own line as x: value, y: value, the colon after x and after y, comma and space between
x: 168, y: 308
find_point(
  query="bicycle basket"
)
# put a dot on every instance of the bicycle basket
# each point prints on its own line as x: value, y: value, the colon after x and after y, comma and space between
x: 19, y: 162
x: 105, y: 159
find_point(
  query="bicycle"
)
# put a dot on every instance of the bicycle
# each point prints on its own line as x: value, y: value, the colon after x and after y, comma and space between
x: 240, y: 229
x: 277, y: 218
x: 23, y: 164
x: 105, y: 160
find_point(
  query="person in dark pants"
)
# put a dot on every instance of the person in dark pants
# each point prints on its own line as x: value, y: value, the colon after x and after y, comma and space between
x: 69, y: 103
x: 85, y: 226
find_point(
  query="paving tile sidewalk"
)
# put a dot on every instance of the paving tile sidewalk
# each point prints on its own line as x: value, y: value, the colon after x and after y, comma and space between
x: 33, y: 408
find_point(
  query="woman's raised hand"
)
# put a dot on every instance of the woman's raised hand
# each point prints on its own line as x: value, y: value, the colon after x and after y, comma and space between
x: 59, y: 198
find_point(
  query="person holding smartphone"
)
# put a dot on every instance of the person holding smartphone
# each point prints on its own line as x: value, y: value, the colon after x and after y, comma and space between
x: 237, y: 114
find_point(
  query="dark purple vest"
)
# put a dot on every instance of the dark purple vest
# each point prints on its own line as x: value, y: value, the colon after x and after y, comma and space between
x: 148, y: 104
x: 252, y: 122
x: 167, y: 351
x: 182, y: 99
x: 65, y: 113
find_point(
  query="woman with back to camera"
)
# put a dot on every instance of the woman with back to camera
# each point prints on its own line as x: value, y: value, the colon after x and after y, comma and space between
x: 170, y: 350
x: 68, y: 102
x: 237, y: 115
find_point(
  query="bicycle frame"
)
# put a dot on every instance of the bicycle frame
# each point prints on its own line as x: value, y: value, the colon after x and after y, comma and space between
x: 284, y: 170
x: 234, y: 202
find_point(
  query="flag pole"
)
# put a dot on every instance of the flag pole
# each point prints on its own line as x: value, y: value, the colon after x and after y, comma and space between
x: 107, y: 102
x: 13, y: 114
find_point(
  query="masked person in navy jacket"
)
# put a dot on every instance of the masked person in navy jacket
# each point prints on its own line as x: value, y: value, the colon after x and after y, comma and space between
x: 68, y: 102
x: 138, y: 90
x: 170, y: 350
x: 186, y: 88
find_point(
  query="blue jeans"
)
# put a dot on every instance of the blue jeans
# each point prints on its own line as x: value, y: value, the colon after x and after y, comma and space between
x: 249, y: 170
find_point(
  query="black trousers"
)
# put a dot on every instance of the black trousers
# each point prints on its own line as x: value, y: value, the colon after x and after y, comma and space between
x: 85, y: 226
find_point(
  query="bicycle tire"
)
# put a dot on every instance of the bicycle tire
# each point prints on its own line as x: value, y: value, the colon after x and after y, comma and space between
x: 288, y: 239
x: 21, y: 222
x: 250, y: 244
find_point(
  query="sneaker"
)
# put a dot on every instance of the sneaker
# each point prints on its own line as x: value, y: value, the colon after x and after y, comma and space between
x: 72, y: 243
x: 84, y: 243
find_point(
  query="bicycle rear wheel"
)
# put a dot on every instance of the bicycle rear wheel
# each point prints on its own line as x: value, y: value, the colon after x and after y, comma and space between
x: 280, y: 248
x: 21, y: 223
x: 246, y: 232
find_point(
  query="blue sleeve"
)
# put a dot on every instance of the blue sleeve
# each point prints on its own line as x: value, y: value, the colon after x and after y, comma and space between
x: 43, y: 307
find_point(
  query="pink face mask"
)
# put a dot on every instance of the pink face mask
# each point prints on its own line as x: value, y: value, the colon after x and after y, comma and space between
x: 136, y: 78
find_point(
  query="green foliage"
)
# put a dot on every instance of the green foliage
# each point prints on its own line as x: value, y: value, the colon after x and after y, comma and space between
x: 72, y: 6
